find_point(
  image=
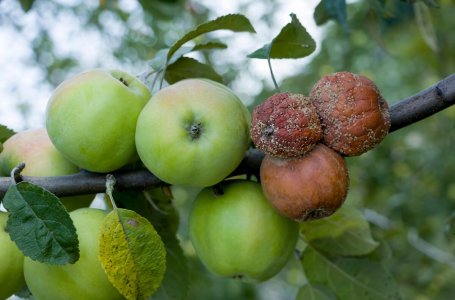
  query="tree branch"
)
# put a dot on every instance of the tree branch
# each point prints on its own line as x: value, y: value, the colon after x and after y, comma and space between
x: 404, y: 113
x: 424, y: 104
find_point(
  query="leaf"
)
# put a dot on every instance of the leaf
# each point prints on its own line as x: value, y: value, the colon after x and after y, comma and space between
x: 293, y: 41
x: 26, y: 4
x: 5, y: 133
x: 156, y: 206
x: 186, y: 67
x: 314, y: 292
x: 425, y: 25
x: 132, y: 254
x: 232, y: 22
x: 349, y: 278
x: 159, y: 61
x: 346, y: 232
x: 331, y: 10
x: 40, y: 226
x: 209, y: 45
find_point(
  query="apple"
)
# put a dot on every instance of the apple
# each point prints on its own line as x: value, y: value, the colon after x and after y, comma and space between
x: 84, y: 280
x: 11, y: 262
x: 193, y: 133
x: 41, y: 158
x: 237, y: 233
x: 91, y: 118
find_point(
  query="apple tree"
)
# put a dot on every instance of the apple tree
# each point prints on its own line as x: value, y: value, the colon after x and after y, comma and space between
x: 217, y: 173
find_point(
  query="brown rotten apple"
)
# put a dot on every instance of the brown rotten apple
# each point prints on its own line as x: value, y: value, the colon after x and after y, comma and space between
x: 309, y: 187
x: 285, y: 125
x: 354, y: 116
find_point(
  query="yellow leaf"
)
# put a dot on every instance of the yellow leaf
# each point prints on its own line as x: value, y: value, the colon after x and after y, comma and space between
x: 132, y: 254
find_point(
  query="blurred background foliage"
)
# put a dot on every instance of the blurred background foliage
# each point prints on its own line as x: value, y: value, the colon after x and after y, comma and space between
x: 405, y: 187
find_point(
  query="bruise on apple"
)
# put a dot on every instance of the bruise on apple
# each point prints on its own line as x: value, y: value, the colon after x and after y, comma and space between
x: 354, y: 116
x: 286, y: 125
x: 308, y: 187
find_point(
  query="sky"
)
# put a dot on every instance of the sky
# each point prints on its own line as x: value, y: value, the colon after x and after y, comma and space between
x: 20, y: 86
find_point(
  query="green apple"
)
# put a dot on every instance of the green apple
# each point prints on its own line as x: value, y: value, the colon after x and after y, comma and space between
x: 84, y: 280
x: 237, y: 233
x: 41, y: 158
x: 11, y: 262
x: 193, y: 133
x: 91, y: 118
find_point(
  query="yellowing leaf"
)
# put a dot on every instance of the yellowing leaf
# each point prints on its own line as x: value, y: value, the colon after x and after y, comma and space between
x: 132, y: 254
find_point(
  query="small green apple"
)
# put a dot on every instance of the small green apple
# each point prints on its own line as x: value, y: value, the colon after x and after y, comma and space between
x: 237, y: 233
x: 41, y: 158
x: 193, y: 133
x: 84, y: 280
x: 91, y: 118
x: 11, y: 262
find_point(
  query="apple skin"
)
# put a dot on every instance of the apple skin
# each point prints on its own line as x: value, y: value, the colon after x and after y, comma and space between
x: 91, y: 118
x: 42, y: 159
x: 11, y: 262
x: 84, y: 280
x: 239, y: 234
x: 193, y: 133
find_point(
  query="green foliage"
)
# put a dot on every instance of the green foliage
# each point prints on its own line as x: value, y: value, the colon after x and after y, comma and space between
x: 5, y: 133
x: 346, y: 233
x: 156, y: 206
x: 314, y: 292
x: 186, y: 67
x: 293, y: 41
x: 331, y: 10
x: 132, y: 254
x: 349, y: 278
x: 39, y: 225
x: 233, y: 22
x: 26, y: 4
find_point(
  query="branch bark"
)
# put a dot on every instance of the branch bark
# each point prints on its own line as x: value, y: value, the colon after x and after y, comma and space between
x: 404, y: 113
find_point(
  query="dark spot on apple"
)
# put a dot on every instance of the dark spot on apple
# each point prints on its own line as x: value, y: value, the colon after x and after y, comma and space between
x: 122, y: 80
x: 132, y: 222
x: 238, y: 276
x: 268, y: 131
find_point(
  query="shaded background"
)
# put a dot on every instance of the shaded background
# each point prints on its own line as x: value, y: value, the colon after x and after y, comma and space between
x: 405, y: 187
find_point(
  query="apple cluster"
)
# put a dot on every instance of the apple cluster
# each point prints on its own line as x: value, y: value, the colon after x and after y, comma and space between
x: 305, y: 139
x: 191, y: 133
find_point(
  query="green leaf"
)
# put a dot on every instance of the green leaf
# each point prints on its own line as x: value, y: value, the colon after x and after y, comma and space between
x: 232, y: 22
x: 293, y: 41
x: 331, y: 10
x: 349, y: 278
x: 132, y: 254
x: 209, y: 46
x: 186, y: 67
x: 26, y: 4
x: 5, y: 133
x: 346, y: 232
x: 40, y: 225
x: 156, y: 206
x: 425, y: 25
x: 159, y: 61
x: 314, y: 292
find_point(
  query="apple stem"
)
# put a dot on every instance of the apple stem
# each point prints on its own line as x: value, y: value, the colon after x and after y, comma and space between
x: 16, y: 173
x: 110, y: 183
x: 271, y: 69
